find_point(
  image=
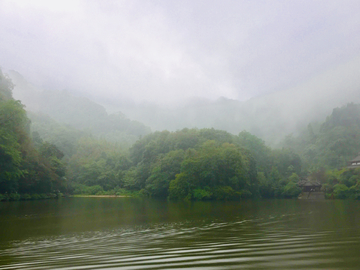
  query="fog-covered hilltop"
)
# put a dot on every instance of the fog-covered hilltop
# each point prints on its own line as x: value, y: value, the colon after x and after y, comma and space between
x: 76, y: 111
x: 270, y: 116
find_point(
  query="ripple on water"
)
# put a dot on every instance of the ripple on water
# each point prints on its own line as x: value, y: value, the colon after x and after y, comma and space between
x: 234, y: 245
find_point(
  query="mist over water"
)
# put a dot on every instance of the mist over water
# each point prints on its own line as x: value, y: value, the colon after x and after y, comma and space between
x: 135, y: 234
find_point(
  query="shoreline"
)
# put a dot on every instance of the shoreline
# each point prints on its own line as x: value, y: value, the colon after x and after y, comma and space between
x: 99, y: 196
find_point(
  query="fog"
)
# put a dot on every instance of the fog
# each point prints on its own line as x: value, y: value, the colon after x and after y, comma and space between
x: 165, y: 52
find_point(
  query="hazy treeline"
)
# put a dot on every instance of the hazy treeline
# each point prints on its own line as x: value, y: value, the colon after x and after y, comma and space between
x: 73, y: 146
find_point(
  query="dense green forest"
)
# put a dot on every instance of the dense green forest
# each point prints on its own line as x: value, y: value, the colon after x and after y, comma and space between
x: 74, y: 147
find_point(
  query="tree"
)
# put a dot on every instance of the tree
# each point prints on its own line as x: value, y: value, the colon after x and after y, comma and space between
x: 219, y: 172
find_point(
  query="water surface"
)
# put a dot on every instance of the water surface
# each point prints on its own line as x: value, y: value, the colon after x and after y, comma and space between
x: 128, y: 233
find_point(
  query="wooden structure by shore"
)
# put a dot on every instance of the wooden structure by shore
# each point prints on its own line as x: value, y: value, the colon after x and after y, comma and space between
x: 311, y: 190
x: 308, y: 185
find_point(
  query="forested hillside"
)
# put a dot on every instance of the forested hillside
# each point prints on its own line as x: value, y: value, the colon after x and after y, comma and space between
x: 26, y: 167
x: 73, y: 146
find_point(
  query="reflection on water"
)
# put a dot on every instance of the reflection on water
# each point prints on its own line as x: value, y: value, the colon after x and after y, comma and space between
x: 123, y: 233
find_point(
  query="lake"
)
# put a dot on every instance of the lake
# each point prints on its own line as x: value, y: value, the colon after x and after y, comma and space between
x: 132, y: 233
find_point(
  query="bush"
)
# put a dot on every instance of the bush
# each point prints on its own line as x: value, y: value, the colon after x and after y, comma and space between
x: 93, y: 190
x: 35, y: 196
x: 329, y: 196
x: 225, y: 193
x: 244, y: 194
x: 354, y: 192
x: 78, y: 188
x: 142, y: 192
x: 202, y: 194
x: 44, y: 196
x: 291, y: 190
x: 341, y: 191
x: 25, y: 197
x: 52, y: 195
x: 14, y: 197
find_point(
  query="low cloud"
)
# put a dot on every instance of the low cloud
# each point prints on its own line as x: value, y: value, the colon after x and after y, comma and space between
x: 163, y: 51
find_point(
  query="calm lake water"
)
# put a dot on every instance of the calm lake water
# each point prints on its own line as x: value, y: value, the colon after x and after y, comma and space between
x: 128, y: 233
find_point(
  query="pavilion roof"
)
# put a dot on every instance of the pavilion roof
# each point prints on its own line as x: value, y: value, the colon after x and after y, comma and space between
x: 356, y: 159
x: 309, y: 183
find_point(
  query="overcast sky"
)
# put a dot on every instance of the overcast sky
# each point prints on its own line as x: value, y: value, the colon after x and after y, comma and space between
x: 166, y: 50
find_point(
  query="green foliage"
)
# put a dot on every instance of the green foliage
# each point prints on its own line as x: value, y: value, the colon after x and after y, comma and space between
x: 13, y: 139
x: 23, y: 169
x: 35, y: 196
x: 291, y: 190
x: 14, y: 197
x: 213, y: 172
x: 25, y: 197
x: 343, y: 184
x: 258, y: 149
x: 180, y: 187
x: 266, y: 187
x: 202, y: 194
x: 86, y: 190
x: 164, y: 170
x: 341, y: 191
x: 98, y: 162
x: 294, y: 178
x: 196, y: 164
x: 224, y: 193
x: 354, y: 191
